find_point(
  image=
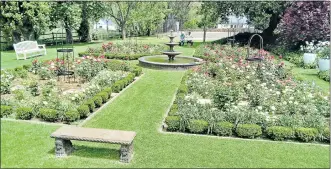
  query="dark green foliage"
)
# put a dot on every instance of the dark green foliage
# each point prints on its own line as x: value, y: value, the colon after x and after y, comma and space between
x: 117, y: 86
x: 50, y: 115
x: 108, y: 90
x: 248, y: 130
x: 24, y: 113
x: 173, y: 110
x: 71, y: 116
x: 172, y: 123
x: 104, y: 96
x: 83, y: 110
x: 325, y: 75
x: 27, y: 67
x: 223, y: 128
x: 6, y: 111
x: 225, y: 95
x: 90, y: 103
x: 20, y: 72
x: 116, y: 65
x: 97, y: 101
x: 197, y: 126
x: 280, y: 132
x: 306, y: 134
x: 326, y: 134
x: 182, y: 89
x: 137, y: 70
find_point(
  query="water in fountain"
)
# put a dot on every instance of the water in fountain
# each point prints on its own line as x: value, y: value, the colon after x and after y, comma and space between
x: 171, y: 53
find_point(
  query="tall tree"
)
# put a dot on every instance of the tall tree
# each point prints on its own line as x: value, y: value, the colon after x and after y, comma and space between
x: 27, y: 19
x: 180, y: 11
x: 209, y: 18
x: 67, y: 14
x: 121, y: 13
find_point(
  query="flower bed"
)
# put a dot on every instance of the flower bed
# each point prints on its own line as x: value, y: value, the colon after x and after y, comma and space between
x: 125, y: 50
x: 230, y: 96
x: 35, y: 92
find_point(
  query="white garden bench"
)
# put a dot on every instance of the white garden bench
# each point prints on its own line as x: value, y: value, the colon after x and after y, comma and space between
x: 29, y: 47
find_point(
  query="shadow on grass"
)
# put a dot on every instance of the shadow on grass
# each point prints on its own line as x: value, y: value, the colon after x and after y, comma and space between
x: 93, y: 152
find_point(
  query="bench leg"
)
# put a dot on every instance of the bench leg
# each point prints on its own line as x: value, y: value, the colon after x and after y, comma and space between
x: 63, y: 147
x: 126, y: 153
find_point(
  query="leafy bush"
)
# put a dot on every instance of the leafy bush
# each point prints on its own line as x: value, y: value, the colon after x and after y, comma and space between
x: 183, y: 89
x: 20, y: 72
x: 117, y: 86
x: 91, y: 105
x: 116, y: 65
x: 97, y: 101
x: 306, y: 134
x: 108, y: 90
x: 197, y: 126
x: 70, y: 116
x: 224, y: 96
x: 27, y: 67
x: 6, y: 111
x: 223, y: 128
x: 137, y: 70
x: 50, y: 115
x: 6, y: 81
x: 173, y: 110
x: 248, y: 130
x: 326, y: 134
x: 280, y: 132
x: 83, y: 110
x: 44, y: 73
x: 104, y: 96
x: 107, y: 78
x: 33, y: 88
x: 172, y: 123
x: 24, y: 113
x: 325, y: 75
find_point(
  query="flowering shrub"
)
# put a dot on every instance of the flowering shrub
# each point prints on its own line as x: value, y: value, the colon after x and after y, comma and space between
x: 6, y: 81
x: 88, y: 67
x: 107, y: 78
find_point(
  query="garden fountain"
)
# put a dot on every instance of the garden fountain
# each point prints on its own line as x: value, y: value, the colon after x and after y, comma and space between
x: 168, y: 60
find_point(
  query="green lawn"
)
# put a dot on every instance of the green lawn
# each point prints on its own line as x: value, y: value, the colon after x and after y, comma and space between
x: 141, y: 108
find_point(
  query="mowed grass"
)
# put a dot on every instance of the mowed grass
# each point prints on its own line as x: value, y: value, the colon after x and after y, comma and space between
x: 141, y: 109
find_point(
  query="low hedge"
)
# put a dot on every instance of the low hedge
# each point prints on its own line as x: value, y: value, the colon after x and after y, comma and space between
x: 27, y: 66
x: 116, y: 65
x: 326, y: 134
x: 50, y: 115
x: 90, y: 103
x: 182, y: 89
x: 83, y: 110
x: 306, y: 134
x: 223, y: 128
x: 24, y: 113
x: 104, y: 96
x: 6, y: 111
x: 280, y: 132
x: 137, y: 70
x: 120, y: 56
x: 97, y: 101
x: 108, y: 90
x: 324, y: 75
x: 71, y: 116
x: 173, y: 110
x: 172, y: 123
x: 197, y: 126
x: 248, y: 130
x: 117, y: 86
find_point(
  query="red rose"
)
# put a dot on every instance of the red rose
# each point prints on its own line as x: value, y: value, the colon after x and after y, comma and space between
x: 280, y: 57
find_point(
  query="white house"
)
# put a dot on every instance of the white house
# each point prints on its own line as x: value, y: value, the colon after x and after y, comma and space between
x: 104, y: 23
x: 235, y: 22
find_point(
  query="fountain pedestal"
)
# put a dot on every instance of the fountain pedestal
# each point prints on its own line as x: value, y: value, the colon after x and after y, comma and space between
x: 171, y: 53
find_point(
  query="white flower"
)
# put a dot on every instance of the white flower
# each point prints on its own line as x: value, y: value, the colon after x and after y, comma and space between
x: 233, y: 66
x: 247, y: 77
x: 296, y: 103
x: 72, y: 98
x: 284, y: 102
x: 76, y: 95
x: 278, y: 93
x: 290, y: 102
x: 259, y: 107
x: 45, y: 103
x: 291, y: 98
x: 273, y: 108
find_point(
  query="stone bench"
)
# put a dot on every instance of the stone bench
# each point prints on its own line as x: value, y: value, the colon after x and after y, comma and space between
x: 63, y: 135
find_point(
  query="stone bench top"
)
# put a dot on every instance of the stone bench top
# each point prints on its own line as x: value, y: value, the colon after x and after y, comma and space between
x: 94, y: 135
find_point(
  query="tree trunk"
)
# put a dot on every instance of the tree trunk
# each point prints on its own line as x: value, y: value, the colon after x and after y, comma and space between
x: 84, y: 29
x: 16, y: 37
x: 274, y: 20
x: 148, y: 32
x: 204, y: 33
x: 107, y: 26
x: 123, y: 32
x: 68, y: 34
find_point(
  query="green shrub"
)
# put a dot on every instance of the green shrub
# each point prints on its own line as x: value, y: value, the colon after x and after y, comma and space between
x: 326, y: 134
x: 91, y: 105
x: 70, y: 116
x: 115, y: 65
x: 223, y: 128
x: 248, y: 130
x: 179, y: 96
x: 97, y: 101
x: 183, y: 89
x: 197, y: 126
x: 24, y: 113
x: 280, y: 132
x: 108, y: 90
x: 27, y: 66
x: 172, y: 123
x: 83, y: 110
x: 137, y: 70
x: 20, y: 72
x: 173, y: 110
x: 18, y: 68
x: 117, y: 86
x: 48, y: 114
x: 306, y: 134
x: 104, y: 96
x: 6, y: 111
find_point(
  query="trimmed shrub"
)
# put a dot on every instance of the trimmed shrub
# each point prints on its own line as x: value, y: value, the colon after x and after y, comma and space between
x: 83, y: 110
x: 280, y: 132
x: 104, y: 96
x: 137, y: 70
x: 326, y: 134
x: 24, y: 113
x: 71, y: 116
x: 90, y: 104
x: 248, y: 130
x: 97, y: 101
x: 108, y: 90
x: 173, y: 110
x: 115, y: 65
x: 197, y: 126
x: 6, y: 111
x: 183, y: 89
x: 117, y: 86
x: 172, y: 122
x: 50, y: 115
x: 306, y: 134
x: 27, y: 66
x: 223, y: 128
x: 17, y: 69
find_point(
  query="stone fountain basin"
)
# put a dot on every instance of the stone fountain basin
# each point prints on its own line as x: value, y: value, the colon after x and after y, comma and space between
x: 171, y: 53
x: 172, y: 44
x: 153, y: 62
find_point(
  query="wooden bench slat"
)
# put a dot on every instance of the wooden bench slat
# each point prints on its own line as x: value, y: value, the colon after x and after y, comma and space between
x: 94, y: 135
